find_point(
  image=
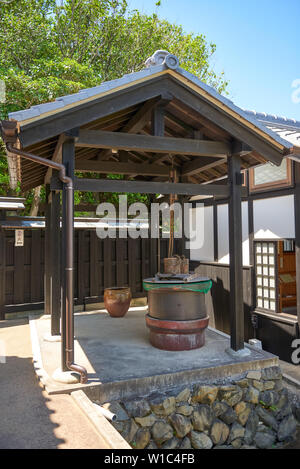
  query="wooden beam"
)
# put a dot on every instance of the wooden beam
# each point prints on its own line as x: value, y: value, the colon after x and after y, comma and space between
x: 57, y: 157
x: 121, y: 141
x: 111, y: 167
x: 137, y: 122
x: 226, y: 122
x: 2, y: 273
x: 297, y: 233
x: 200, y: 164
x: 143, y: 187
x: 55, y: 274
x: 141, y: 117
x: 236, y: 254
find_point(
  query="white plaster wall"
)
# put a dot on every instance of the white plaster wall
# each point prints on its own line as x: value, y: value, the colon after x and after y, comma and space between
x: 223, y: 239
x: 202, y: 246
x: 274, y: 218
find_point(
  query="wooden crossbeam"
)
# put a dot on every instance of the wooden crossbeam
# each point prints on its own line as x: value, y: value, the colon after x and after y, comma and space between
x: 136, y: 123
x: 112, y: 167
x: 143, y: 187
x: 122, y: 141
x: 200, y: 164
x: 57, y: 156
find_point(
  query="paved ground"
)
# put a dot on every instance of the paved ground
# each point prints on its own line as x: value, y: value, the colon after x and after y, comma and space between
x: 29, y: 417
x: 117, y: 349
x: 291, y: 370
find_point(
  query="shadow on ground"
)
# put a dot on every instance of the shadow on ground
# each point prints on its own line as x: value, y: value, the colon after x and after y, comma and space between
x: 25, y: 417
x: 26, y: 420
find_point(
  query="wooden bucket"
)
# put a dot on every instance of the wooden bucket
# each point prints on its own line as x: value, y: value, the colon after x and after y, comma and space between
x: 172, y: 265
x: 176, y: 265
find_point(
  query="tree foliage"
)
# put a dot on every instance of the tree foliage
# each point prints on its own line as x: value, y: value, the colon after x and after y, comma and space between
x: 52, y: 48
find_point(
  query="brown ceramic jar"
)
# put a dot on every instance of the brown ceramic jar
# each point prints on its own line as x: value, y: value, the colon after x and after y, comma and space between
x: 117, y: 301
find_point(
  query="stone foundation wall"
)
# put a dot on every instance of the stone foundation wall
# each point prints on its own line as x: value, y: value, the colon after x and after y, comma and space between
x: 254, y: 410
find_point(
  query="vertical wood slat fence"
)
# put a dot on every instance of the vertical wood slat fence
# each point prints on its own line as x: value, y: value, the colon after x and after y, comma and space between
x: 98, y: 264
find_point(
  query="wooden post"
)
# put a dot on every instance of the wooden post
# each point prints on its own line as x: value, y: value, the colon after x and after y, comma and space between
x: 47, y: 271
x: 235, y: 252
x: 297, y: 234
x: 68, y: 158
x: 215, y: 227
x: 55, y: 273
x: 2, y: 274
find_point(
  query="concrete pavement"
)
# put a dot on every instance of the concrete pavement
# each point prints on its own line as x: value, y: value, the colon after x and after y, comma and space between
x: 30, y: 419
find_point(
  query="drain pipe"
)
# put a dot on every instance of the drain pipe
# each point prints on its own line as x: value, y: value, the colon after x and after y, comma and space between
x: 69, y: 253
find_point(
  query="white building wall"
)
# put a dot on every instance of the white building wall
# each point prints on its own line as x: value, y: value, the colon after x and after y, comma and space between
x: 223, y: 234
x: 202, y: 245
x: 274, y: 218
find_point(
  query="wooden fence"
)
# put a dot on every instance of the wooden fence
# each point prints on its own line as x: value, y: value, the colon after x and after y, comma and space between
x: 98, y: 264
x: 218, y: 299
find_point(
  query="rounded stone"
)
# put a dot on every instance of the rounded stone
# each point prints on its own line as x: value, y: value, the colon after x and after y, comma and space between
x: 264, y: 440
x: 287, y: 428
x: 205, y: 394
x: 219, y: 432
x: 200, y: 440
x: 184, y: 409
x: 147, y: 421
x: 184, y: 395
x: 137, y: 408
x: 142, y: 438
x: 161, y: 432
x: 163, y: 407
x: 181, y: 424
x: 202, y: 417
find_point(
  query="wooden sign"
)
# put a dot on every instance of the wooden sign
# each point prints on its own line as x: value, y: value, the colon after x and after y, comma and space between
x: 19, y: 238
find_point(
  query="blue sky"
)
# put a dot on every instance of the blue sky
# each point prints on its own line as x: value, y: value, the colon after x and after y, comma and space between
x: 258, y: 46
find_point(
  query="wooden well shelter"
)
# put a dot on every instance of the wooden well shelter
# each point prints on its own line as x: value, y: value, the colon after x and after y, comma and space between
x: 143, y: 125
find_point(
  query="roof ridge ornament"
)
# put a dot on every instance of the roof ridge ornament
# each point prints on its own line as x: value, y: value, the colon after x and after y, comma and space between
x: 163, y: 57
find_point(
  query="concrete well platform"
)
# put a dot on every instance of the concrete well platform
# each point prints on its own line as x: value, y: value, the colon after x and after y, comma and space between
x: 121, y: 362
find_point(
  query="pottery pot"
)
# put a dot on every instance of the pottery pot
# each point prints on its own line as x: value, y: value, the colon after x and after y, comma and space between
x: 117, y: 301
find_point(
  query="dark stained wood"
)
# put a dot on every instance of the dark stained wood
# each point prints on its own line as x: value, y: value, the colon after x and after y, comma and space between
x: 215, y: 228
x: 2, y: 274
x: 80, y: 266
x: 251, y: 250
x: 94, y: 265
x: 297, y: 233
x: 57, y: 156
x: 200, y: 164
x: 110, y: 167
x: 47, y: 271
x: 154, y: 144
x: 55, y: 255
x: 68, y: 159
x: 36, y: 268
x: 226, y: 123
x: 217, y: 300
x: 19, y: 273
x: 108, y: 272
x: 144, y: 187
x: 132, y: 260
x: 139, y: 120
x: 236, y: 255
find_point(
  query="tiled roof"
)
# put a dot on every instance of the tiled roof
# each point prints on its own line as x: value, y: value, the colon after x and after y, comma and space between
x: 288, y: 129
x: 160, y: 61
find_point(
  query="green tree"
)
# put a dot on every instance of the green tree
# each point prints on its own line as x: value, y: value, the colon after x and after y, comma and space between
x: 51, y: 48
